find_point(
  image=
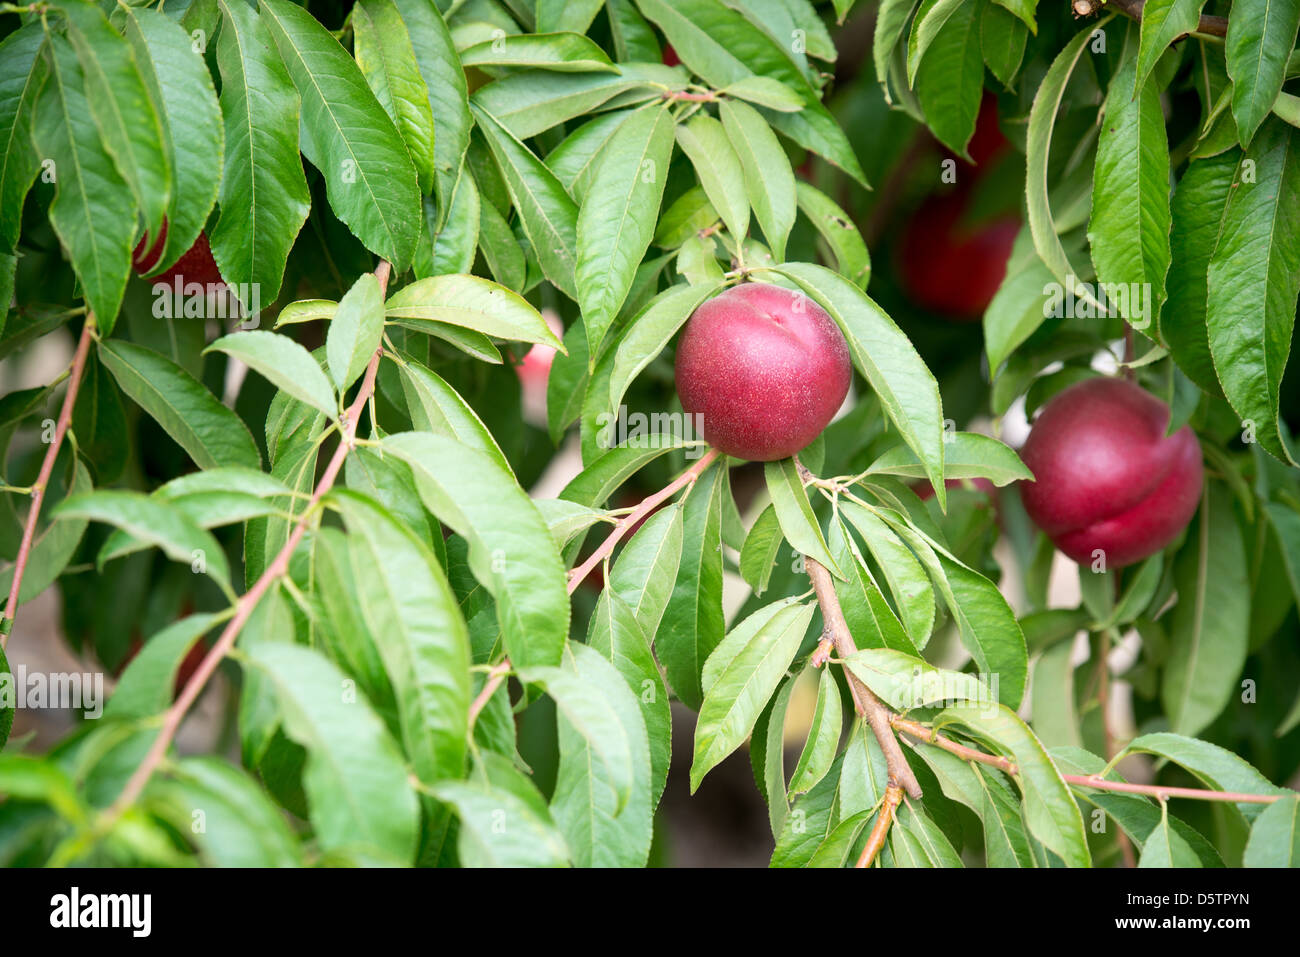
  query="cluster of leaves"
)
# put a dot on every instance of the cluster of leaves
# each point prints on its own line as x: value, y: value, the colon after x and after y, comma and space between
x: 508, y: 157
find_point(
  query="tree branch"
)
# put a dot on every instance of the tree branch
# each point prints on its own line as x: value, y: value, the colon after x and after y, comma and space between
x: 278, y: 567
x: 880, y: 830
x: 496, y: 675
x: 1210, y: 25
x: 874, y: 711
x: 1158, y: 791
x: 43, y: 477
x: 647, y: 505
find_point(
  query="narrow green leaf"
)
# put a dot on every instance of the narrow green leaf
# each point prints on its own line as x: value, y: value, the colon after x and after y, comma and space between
x: 823, y: 736
x: 798, y: 522
x: 836, y: 227
x: 1261, y: 34
x: 704, y: 141
x: 285, y: 363
x: 355, y: 331
x: 769, y: 181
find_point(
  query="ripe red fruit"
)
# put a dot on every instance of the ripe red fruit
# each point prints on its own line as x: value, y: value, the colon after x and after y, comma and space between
x: 765, y: 368
x: 987, y: 142
x: 195, y: 265
x: 145, y: 260
x: 1106, y: 476
x: 950, y: 267
x: 670, y: 57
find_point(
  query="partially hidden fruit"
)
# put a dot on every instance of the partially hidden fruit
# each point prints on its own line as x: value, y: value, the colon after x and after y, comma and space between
x: 1108, y: 482
x: 766, y: 369
x: 195, y: 265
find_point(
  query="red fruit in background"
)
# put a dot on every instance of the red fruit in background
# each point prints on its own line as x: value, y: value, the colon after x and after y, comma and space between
x: 195, y: 265
x: 1106, y: 476
x: 765, y: 367
x: 987, y: 142
x: 189, y: 664
x: 670, y: 56
x: 951, y: 267
x: 145, y: 260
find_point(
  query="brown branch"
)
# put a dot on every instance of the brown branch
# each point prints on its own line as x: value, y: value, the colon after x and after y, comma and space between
x: 1158, y: 791
x: 1210, y: 25
x: 278, y: 567
x: 43, y: 477
x: 874, y: 711
x: 880, y: 830
x: 647, y: 505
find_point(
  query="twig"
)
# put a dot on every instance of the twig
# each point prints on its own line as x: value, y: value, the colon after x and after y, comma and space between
x: 1096, y: 782
x: 43, y: 478
x: 874, y: 711
x: 880, y: 830
x: 1209, y: 25
x: 647, y: 505
x: 278, y: 567
x: 494, y: 679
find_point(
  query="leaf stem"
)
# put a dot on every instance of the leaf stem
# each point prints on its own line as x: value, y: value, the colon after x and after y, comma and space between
x: 39, y: 487
x: 244, y: 607
x: 880, y: 830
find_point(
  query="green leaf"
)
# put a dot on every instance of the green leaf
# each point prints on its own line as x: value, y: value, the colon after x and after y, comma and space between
x: 548, y: 214
x: 448, y: 92
x: 615, y: 633
x: 599, y: 706
x: 153, y: 521
x: 603, y: 829
x: 92, y: 211
x: 285, y: 363
x: 120, y: 106
x: 836, y: 227
x: 762, y: 545
x: 355, y: 331
x: 891, y: 23
x: 810, y: 823
x: 905, y: 681
x: 241, y: 826
x: 500, y: 247
x: 1254, y: 277
x: 913, y: 595
x: 1042, y: 120
x: 823, y: 737
x: 1216, y: 767
x: 53, y: 548
x: 511, y: 551
x: 575, y: 160
x: 1211, y: 621
x: 767, y: 755
x: 1275, y: 836
x: 181, y: 88
x: 743, y: 687
x: 769, y: 181
x: 207, y: 430
x: 1165, y: 847
x: 472, y: 303
x: 899, y: 376
x: 529, y: 837
x: 1199, y: 202
x: 369, y: 178
x: 617, y: 219
x: 987, y: 625
x: 950, y: 81
x: 1050, y: 811
x: 766, y: 91
x: 562, y: 52
x: 415, y: 622
x: 22, y: 75
x: 575, y: 15
x: 450, y: 248
x: 1052, y: 696
x: 704, y: 141
x: 642, y: 577
x: 795, y: 514
x: 650, y: 331
x: 385, y: 53
x: 966, y: 455
x: 870, y: 618
x: 262, y: 172
x: 357, y: 785
x: 1129, y: 229
x: 145, y: 688
x: 1002, y: 41
x: 1261, y: 34
x: 533, y: 101
x: 6, y: 708
x: 1163, y: 21
x: 693, y: 622
x: 1024, y: 9
x: 435, y: 406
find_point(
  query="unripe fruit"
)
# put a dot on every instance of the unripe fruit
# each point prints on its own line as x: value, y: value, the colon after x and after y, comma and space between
x: 1106, y: 476
x: 765, y: 368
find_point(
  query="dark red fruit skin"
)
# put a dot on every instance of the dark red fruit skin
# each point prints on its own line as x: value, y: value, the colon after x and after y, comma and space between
x: 987, y: 142
x: 670, y: 57
x: 144, y: 261
x: 195, y: 265
x: 948, y: 267
x: 189, y: 664
x: 765, y: 367
x: 1106, y: 477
